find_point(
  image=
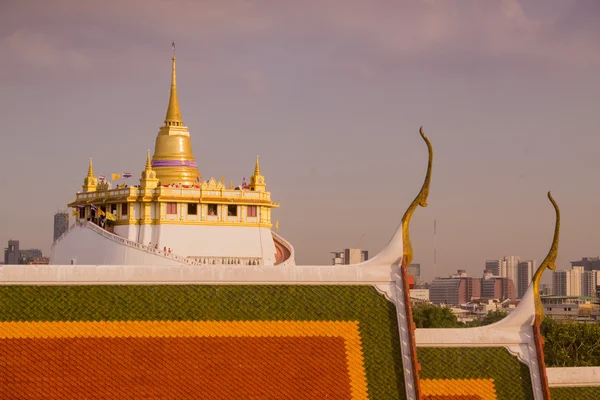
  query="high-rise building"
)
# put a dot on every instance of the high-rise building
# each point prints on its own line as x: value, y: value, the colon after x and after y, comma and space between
x: 588, y: 263
x: 61, y: 224
x: 561, y: 283
x: 349, y: 256
x: 511, y: 267
x: 494, y: 267
x: 503, y: 267
x: 576, y: 282
x: 455, y: 290
x: 12, y: 254
x: 495, y: 287
x: 448, y: 291
x: 590, y: 280
x: 29, y: 255
x: 524, y: 276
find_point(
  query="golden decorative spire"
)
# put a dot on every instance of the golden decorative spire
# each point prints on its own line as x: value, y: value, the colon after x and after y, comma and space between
x: 257, y: 167
x: 173, y: 159
x: 420, y: 200
x: 90, y: 173
x: 257, y: 181
x: 173, y: 112
x: 148, y: 161
x: 549, y: 262
x: 90, y: 182
x: 148, y: 178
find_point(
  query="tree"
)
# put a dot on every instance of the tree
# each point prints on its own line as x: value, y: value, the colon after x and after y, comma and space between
x: 570, y: 344
x: 430, y: 316
x: 490, y: 318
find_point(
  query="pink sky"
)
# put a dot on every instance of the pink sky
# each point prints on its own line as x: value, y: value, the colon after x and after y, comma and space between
x: 330, y: 94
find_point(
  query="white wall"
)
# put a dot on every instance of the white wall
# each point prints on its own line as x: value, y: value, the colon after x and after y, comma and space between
x: 216, y: 241
x: 86, y: 247
x: 204, y: 241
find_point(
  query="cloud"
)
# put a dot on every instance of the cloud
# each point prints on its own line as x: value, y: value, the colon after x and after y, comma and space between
x: 441, y: 33
x: 40, y: 50
x: 469, y: 31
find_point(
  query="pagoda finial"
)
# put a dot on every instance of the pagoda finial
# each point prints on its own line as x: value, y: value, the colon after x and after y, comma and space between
x: 173, y: 112
x: 257, y: 181
x: 148, y: 161
x: 257, y: 167
x: 148, y: 178
x: 90, y: 173
x: 90, y: 182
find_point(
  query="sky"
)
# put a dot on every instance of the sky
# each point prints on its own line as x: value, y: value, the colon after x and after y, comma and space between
x: 330, y: 94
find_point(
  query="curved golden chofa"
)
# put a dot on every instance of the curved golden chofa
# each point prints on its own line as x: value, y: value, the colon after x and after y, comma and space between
x: 420, y: 200
x: 549, y: 262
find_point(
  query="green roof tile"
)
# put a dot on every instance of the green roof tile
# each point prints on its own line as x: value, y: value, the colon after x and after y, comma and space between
x: 511, y: 377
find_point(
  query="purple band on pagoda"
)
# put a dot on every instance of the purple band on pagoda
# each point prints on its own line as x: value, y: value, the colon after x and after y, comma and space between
x: 174, y: 163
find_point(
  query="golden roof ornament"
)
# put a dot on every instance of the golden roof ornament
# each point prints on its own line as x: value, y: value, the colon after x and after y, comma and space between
x: 549, y: 262
x: 90, y: 173
x: 148, y: 179
x: 420, y: 200
x: 257, y: 167
x: 148, y: 161
x: 90, y: 182
x: 257, y: 181
x: 173, y: 117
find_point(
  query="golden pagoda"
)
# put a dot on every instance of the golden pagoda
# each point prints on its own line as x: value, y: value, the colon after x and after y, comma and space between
x: 173, y: 160
x: 173, y: 208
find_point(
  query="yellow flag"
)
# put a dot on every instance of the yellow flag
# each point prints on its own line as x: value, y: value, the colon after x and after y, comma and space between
x: 101, y: 212
x: 277, y: 224
x: 75, y: 212
x: 116, y: 177
x: 110, y: 216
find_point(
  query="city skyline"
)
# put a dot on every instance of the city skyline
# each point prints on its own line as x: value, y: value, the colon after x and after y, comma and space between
x: 331, y: 98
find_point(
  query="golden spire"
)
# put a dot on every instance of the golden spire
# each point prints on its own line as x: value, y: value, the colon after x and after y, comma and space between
x: 549, y: 262
x: 148, y: 178
x: 90, y: 170
x: 173, y: 159
x: 257, y: 168
x: 173, y: 112
x: 257, y: 181
x: 420, y: 200
x: 90, y: 182
x: 148, y: 161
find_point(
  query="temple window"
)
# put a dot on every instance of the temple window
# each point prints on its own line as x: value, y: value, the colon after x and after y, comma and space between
x: 213, y: 209
x: 231, y: 210
x: 251, y: 211
x: 124, y: 209
x: 192, y: 209
x: 171, y: 208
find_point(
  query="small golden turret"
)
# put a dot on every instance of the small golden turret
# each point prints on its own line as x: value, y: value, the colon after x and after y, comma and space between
x: 90, y: 182
x: 173, y: 160
x: 148, y: 179
x: 257, y: 181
